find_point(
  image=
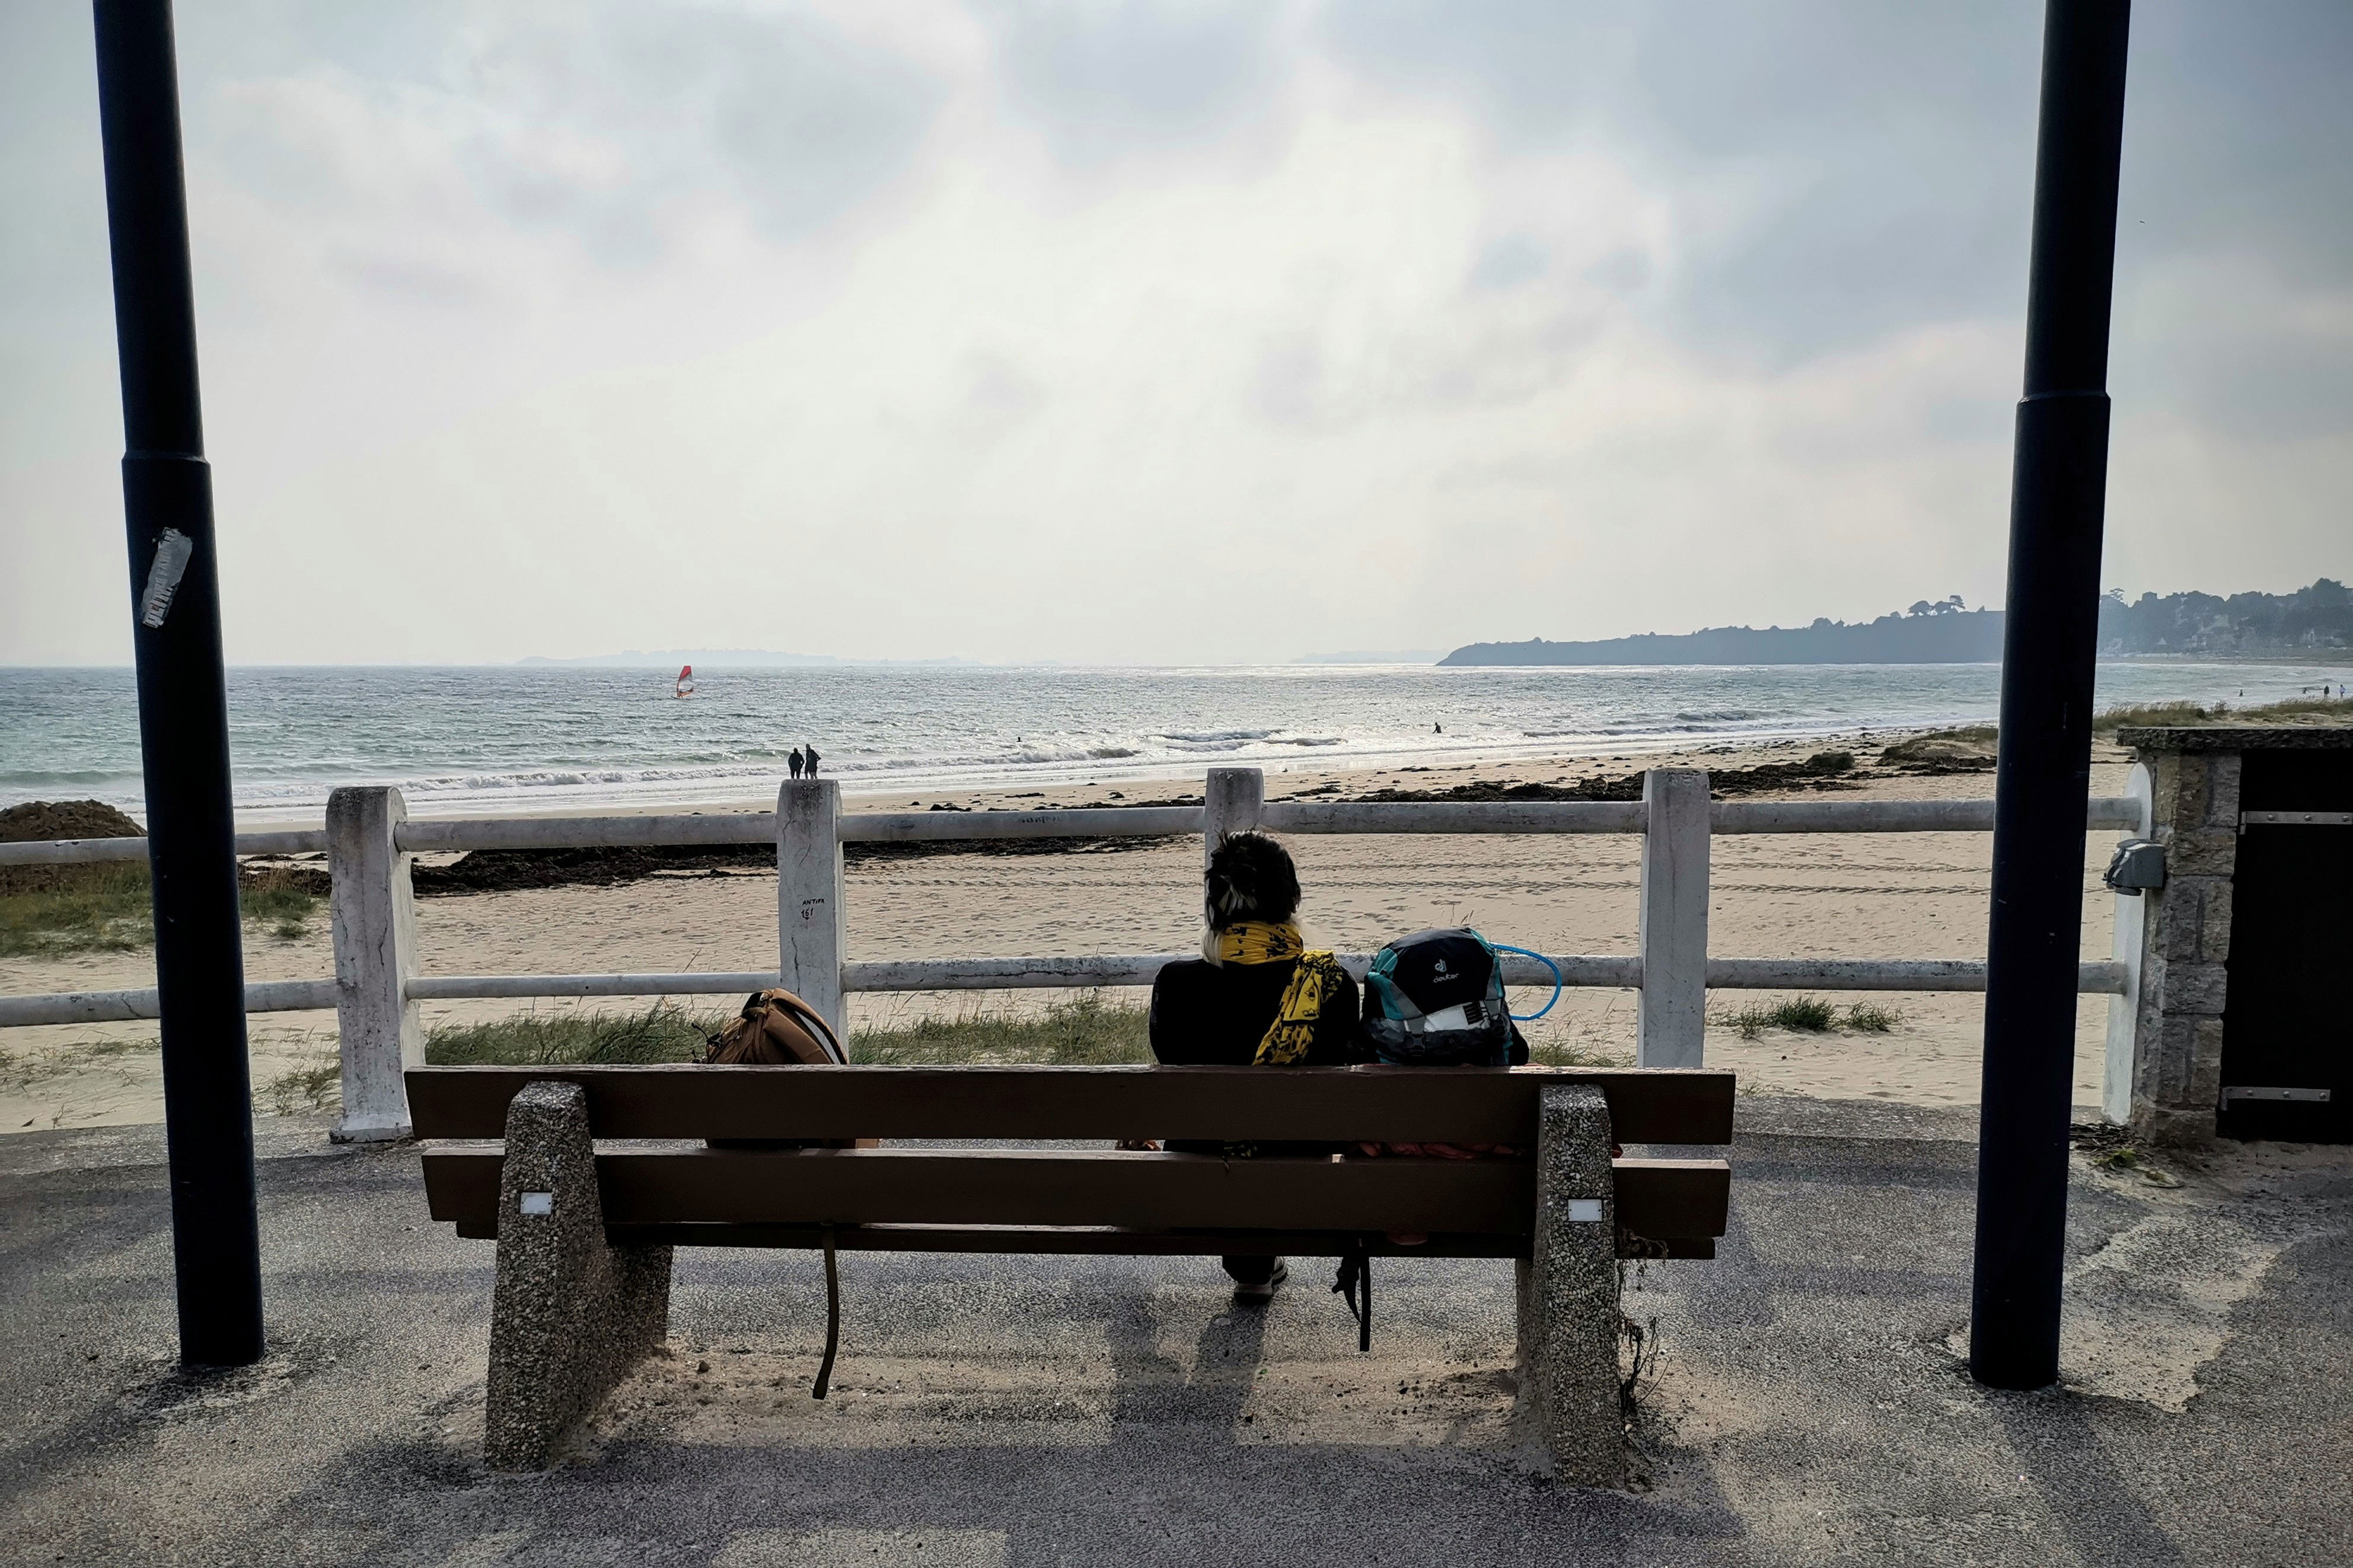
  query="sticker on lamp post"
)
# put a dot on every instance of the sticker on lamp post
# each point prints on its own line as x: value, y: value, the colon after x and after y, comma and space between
x: 172, y: 552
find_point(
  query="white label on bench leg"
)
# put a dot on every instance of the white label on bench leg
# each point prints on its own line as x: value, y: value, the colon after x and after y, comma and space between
x: 1578, y: 1208
x: 545, y: 1203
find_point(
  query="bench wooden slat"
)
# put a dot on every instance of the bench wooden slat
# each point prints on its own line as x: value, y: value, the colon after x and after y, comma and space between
x: 1445, y: 1105
x: 1135, y: 1192
x: 1094, y: 1241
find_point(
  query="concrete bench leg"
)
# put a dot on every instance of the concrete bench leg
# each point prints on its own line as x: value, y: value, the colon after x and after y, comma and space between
x: 571, y: 1312
x: 1569, y: 1389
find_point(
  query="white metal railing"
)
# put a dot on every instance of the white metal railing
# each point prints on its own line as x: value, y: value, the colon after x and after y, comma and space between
x: 369, y: 842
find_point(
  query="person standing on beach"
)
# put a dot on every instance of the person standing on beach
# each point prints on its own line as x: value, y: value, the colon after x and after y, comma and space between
x: 810, y: 760
x: 793, y: 761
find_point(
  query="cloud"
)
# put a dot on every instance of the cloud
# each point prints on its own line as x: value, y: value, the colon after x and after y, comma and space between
x: 611, y: 122
x: 1840, y: 169
x: 1158, y: 333
x: 1508, y: 262
x: 1107, y: 78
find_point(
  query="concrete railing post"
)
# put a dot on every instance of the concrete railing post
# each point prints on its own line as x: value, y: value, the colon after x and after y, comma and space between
x: 810, y: 910
x: 376, y: 950
x: 1233, y: 802
x: 2131, y: 930
x: 569, y: 1313
x: 1570, y: 1398
x: 1672, y: 1029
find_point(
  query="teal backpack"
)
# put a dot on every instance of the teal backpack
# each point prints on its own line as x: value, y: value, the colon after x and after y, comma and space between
x: 1436, y: 999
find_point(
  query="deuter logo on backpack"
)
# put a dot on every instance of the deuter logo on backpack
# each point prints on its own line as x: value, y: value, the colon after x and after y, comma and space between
x: 1436, y: 999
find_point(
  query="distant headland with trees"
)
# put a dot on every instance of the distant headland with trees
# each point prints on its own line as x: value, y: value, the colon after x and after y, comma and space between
x: 2317, y: 619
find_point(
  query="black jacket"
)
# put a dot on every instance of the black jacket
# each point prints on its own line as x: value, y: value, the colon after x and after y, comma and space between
x: 1210, y: 1014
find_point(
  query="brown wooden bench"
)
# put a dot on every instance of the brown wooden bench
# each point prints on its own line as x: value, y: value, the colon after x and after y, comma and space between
x: 585, y: 1235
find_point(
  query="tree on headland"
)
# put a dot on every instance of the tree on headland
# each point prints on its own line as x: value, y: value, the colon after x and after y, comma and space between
x: 2319, y: 616
x: 1946, y: 631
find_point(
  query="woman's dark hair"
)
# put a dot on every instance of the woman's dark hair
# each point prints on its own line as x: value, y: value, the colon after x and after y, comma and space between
x: 1250, y: 878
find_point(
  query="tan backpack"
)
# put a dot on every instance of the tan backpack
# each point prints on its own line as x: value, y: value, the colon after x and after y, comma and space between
x: 775, y: 1029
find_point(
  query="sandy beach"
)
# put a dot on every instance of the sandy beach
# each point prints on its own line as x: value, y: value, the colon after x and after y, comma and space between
x: 1859, y: 895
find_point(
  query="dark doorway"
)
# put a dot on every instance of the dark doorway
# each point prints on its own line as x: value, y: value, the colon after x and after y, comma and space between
x: 2288, y: 1035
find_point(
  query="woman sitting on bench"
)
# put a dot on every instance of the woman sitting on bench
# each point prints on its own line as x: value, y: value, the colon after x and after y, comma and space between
x: 1255, y: 996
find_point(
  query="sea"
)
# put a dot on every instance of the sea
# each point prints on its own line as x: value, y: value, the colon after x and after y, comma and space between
x: 512, y: 740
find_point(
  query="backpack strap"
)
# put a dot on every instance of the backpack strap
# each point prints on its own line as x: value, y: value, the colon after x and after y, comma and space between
x: 1354, y: 1286
x: 832, y: 1320
x: 806, y: 1017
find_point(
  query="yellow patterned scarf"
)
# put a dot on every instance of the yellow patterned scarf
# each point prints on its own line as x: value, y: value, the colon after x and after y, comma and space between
x: 1316, y: 980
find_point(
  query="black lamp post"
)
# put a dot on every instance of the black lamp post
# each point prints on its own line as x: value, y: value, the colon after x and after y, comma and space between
x: 183, y: 699
x: 2058, y: 490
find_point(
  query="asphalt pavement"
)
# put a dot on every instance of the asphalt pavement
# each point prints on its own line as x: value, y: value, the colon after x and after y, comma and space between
x: 1808, y: 1402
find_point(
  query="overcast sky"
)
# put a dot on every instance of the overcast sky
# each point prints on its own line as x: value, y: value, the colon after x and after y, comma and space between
x: 1157, y: 331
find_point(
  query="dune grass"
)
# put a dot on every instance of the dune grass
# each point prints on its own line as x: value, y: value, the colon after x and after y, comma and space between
x: 2110, y: 719
x: 306, y: 1088
x: 662, y: 1032
x: 1559, y: 1052
x: 1799, y: 1014
x: 1812, y: 1016
x: 1871, y: 1018
x: 1084, y: 1032
x: 2293, y: 709
x: 107, y: 911
x: 276, y: 900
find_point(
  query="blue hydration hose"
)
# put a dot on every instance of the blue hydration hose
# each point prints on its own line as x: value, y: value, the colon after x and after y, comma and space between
x: 1549, y: 963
